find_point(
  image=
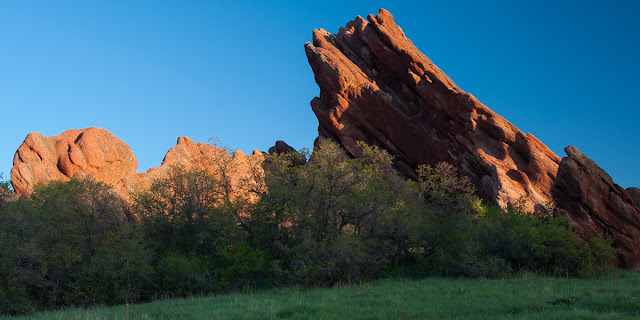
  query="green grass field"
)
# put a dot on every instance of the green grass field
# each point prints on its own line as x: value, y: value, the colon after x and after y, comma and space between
x: 529, y: 296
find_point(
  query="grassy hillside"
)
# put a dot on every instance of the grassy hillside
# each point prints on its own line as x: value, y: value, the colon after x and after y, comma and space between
x: 530, y: 296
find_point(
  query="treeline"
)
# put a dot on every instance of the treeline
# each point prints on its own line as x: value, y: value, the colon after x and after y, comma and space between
x: 325, y: 219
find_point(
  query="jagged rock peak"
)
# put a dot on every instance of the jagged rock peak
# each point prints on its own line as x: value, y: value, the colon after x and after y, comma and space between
x: 241, y: 170
x: 377, y: 87
x: 98, y: 154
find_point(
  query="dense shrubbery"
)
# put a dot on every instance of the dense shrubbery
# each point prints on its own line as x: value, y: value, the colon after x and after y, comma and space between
x: 69, y: 244
x: 325, y: 219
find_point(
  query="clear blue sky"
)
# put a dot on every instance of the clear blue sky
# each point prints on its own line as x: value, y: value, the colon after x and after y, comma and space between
x: 151, y: 71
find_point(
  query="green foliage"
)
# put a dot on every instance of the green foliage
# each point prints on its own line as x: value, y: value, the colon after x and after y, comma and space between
x: 69, y: 244
x: 331, y: 218
x: 544, y: 243
x: 185, y: 211
x: 445, y: 226
x: 243, y: 266
x: 199, y: 236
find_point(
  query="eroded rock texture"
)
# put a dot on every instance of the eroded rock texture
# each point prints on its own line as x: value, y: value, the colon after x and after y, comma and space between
x: 377, y: 87
x: 597, y: 206
x: 93, y: 151
x: 243, y: 172
x: 99, y: 154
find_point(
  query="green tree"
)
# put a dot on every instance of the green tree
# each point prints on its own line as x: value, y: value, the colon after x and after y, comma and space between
x: 338, y: 219
x: 198, y: 234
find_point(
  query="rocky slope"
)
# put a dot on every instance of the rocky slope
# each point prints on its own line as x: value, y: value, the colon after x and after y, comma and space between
x: 377, y: 87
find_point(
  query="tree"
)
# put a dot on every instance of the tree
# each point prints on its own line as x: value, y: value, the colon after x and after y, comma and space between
x: 333, y: 218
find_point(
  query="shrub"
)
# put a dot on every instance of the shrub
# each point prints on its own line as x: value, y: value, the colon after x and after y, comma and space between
x: 540, y: 243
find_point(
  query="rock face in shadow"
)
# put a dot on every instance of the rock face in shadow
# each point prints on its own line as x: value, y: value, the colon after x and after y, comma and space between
x: 598, y: 206
x: 377, y: 87
x: 281, y: 147
x: 93, y: 151
x: 634, y: 193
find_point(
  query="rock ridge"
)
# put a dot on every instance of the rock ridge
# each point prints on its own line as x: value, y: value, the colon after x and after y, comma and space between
x: 99, y: 154
x: 377, y: 87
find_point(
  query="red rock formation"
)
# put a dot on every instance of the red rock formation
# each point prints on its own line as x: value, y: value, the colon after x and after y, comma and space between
x: 377, y: 87
x: 597, y: 206
x: 240, y: 170
x: 94, y: 151
x: 97, y: 153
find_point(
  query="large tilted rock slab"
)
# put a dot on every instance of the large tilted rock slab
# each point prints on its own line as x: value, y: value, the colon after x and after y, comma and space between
x: 597, y: 206
x: 377, y: 87
x: 92, y: 151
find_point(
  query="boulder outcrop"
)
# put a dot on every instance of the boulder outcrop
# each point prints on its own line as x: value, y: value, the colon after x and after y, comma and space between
x: 377, y: 87
x: 597, y: 206
x: 94, y: 151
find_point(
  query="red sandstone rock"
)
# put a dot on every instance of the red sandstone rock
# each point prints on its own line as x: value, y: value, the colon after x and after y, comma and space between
x: 377, y: 87
x: 597, y: 206
x: 98, y: 154
x: 241, y: 170
x: 93, y: 151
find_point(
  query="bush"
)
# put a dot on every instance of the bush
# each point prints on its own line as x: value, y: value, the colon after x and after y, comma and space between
x: 540, y: 243
x: 444, y: 223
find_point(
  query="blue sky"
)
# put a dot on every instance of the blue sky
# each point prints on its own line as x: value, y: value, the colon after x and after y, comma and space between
x: 151, y: 71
